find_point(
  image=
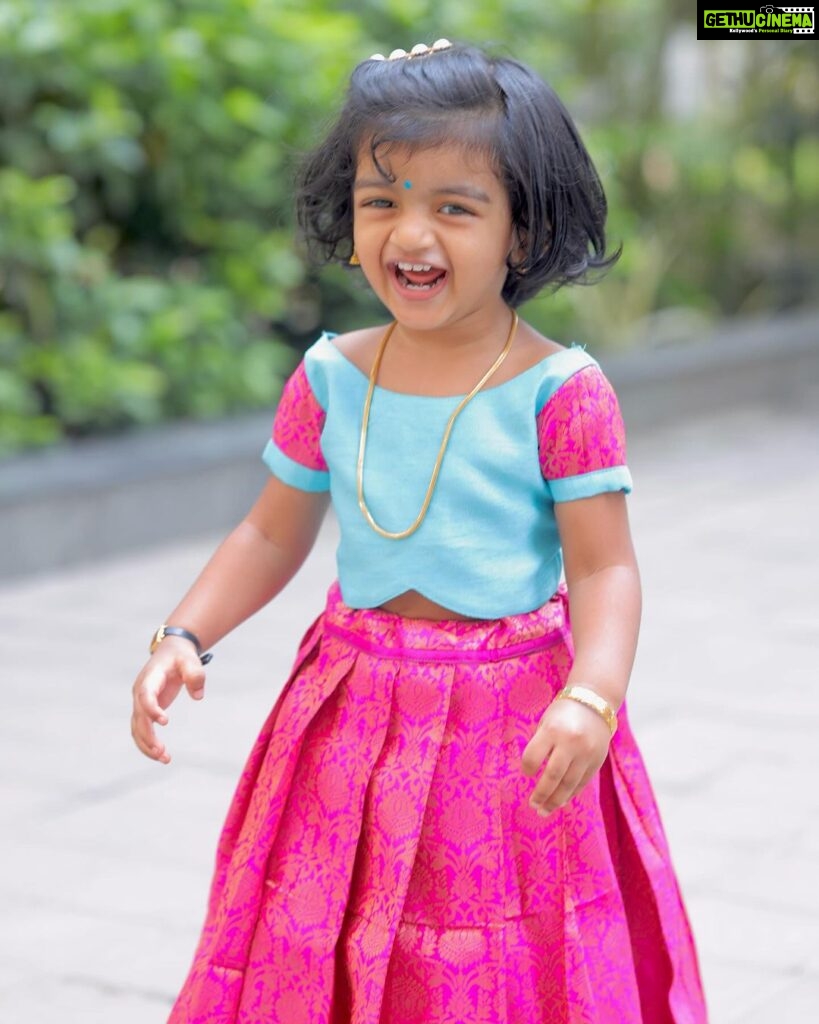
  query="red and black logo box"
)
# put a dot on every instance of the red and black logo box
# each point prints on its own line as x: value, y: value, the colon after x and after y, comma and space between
x: 755, y: 21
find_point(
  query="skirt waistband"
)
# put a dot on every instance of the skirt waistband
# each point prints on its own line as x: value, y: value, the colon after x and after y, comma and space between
x: 379, y: 632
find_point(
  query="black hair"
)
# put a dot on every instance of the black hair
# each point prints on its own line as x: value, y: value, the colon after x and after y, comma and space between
x: 496, y: 105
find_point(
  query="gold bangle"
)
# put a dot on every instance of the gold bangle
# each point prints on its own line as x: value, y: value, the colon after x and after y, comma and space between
x: 594, y: 701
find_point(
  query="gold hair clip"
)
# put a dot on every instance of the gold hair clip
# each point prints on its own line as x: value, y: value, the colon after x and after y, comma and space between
x: 419, y: 50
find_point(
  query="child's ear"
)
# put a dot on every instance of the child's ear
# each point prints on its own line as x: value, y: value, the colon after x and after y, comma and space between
x: 517, y: 249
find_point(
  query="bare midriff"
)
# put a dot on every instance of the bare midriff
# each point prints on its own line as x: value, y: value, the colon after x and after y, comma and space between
x: 412, y: 605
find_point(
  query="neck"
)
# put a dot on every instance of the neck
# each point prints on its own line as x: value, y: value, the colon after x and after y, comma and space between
x: 482, y: 332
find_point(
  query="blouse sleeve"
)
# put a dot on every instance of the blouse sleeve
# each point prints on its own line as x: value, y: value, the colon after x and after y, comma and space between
x: 293, y: 453
x: 582, y: 439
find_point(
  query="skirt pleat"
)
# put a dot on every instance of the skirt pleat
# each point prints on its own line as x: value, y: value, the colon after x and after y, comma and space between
x: 380, y: 863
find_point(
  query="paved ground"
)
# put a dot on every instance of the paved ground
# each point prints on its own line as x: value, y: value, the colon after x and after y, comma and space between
x: 107, y: 857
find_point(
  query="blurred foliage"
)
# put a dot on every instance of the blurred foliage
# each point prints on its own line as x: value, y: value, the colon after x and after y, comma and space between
x: 147, y: 149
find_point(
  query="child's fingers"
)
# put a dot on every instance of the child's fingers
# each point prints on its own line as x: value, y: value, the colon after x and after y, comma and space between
x: 538, y: 748
x: 150, y: 707
x: 553, y: 791
x: 193, y: 676
x: 142, y: 731
x: 146, y: 696
x: 551, y: 779
x: 156, y: 687
x: 149, y: 690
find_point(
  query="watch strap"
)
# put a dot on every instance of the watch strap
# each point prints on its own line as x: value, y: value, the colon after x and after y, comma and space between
x: 165, y: 630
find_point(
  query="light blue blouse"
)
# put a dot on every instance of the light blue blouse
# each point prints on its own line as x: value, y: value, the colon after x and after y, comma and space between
x: 489, y: 545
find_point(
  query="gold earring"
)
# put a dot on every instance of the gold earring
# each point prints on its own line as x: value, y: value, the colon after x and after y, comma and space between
x: 354, y: 261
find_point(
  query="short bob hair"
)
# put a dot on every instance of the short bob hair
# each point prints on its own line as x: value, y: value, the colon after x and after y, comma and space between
x: 498, y: 106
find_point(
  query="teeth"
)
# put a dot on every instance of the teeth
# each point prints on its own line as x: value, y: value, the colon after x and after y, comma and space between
x: 417, y: 267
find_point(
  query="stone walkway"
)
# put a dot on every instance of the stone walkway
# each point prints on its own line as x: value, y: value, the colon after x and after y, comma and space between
x: 107, y: 856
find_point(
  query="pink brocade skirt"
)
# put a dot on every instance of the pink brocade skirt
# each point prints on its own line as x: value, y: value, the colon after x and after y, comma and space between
x: 380, y: 863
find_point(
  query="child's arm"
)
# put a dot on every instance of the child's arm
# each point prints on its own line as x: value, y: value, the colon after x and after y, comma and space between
x: 605, y: 599
x: 248, y: 569
x: 605, y: 603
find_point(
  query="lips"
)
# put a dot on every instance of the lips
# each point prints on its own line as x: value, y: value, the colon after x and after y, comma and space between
x: 418, y: 279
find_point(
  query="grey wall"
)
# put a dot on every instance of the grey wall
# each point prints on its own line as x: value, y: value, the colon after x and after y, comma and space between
x: 87, y: 501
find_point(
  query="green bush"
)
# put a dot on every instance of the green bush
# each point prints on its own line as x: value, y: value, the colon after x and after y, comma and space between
x: 147, y: 262
x: 146, y: 251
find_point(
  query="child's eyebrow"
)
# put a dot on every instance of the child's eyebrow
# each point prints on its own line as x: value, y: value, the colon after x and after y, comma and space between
x: 372, y: 183
x: 468, y: 191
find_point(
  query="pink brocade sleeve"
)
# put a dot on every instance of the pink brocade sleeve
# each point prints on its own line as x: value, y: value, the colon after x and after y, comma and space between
x: 582, y: 439
x: 293, y: 453
x: 299, y: 422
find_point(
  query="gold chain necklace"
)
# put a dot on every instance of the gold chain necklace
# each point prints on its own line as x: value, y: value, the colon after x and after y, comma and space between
x: 365, y: 420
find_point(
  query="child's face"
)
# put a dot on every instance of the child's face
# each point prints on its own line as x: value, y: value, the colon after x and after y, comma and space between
x: 434, y: 242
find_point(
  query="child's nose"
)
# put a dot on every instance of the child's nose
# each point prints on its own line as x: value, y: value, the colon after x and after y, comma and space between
x: 413, y: 231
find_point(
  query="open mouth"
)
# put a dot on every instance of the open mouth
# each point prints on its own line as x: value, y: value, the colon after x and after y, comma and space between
x: 418, y: 277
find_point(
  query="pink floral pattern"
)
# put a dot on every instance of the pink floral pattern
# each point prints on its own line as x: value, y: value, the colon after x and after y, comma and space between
x: 299, y: 422
x: 380, y: 863
x: 580, y: 428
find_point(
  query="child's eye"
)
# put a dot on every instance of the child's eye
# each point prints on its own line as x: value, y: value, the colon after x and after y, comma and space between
x: 378, y: 204
x: 455, y: 208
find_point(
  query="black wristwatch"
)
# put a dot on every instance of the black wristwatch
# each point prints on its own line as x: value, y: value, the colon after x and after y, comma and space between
x: 165, y: 630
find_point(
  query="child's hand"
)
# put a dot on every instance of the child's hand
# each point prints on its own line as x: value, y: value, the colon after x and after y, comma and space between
x: 573, y: 740
x: 173, y: 665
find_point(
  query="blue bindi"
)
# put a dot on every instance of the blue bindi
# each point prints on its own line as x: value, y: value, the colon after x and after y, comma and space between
x: 408, y: 184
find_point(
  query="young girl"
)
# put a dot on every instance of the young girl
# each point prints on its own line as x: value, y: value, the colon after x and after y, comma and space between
x: 445, y: 817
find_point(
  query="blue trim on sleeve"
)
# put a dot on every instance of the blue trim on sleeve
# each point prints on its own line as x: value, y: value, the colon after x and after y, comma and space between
x: 586, y: 485
x: 558, y: 368
x: 315, y: 367
x: 293, y: 473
